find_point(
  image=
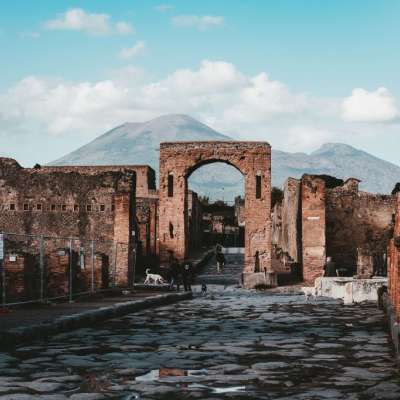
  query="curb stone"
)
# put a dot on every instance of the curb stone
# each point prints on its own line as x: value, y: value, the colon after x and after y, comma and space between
x: 86, y: 318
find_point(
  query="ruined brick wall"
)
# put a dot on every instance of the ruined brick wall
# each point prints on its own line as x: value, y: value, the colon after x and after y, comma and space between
x: 147, y: 220
x: 357, y: 223
x: 145, y: 176
x: 195, y: 214
x: 91, y: 203
x: 178, y: 160
x: 394, y: 262
x: 286, y: 224
x: 313, y: 195
x: 239, y: 211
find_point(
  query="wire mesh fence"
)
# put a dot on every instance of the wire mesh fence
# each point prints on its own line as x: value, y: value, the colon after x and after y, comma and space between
x: 42, y: 268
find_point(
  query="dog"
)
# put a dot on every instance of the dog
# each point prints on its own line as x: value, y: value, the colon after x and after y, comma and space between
x: 312, y: 292
x: 309, y: 292
x: 155, y: 279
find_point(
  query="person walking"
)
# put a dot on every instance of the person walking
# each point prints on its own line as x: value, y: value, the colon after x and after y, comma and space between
x: 187, y: 276
x: 220, y: 260
x: 174, y: 266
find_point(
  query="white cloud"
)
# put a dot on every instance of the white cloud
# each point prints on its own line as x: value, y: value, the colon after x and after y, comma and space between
x: 364, y: 106
x: 133, y: 51
x: 163, y: 7
x: 198, y: 22
x: 250, y: 107
x: 77, y: 19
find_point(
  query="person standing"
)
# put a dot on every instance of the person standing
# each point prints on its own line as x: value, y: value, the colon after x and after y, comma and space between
x: 174, y: 266
x: 187, y: 276
x: 220, y: 260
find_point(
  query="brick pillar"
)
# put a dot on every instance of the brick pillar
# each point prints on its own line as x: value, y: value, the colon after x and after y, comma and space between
x: 123, y: 224
x: 394, y: 248
x: 172, y: 226
x: 313, y: 227
x: 258, y: 228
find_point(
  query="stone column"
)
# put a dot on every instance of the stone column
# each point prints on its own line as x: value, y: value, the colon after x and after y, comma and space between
x: 258, y: 226
x: 313, y: 227
x: 173, y: 209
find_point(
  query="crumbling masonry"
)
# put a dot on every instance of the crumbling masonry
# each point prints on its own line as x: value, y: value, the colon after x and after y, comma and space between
x: 253, y: 159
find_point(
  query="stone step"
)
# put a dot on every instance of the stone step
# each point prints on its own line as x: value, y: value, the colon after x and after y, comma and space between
x: 217, y: 279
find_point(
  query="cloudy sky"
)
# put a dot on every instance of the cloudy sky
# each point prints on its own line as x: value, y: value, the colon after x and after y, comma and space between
x: 294, y: 73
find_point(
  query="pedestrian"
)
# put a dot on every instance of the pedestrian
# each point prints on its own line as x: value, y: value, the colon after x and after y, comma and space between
x: 203, y: 289
x: 220, y: 261
x: 174, y: 266
x: 257, y: 262
x: 330, y: 268
x: 187, y: 276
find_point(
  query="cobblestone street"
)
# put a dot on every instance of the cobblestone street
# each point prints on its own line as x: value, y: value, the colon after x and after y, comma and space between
x: 228, y: 344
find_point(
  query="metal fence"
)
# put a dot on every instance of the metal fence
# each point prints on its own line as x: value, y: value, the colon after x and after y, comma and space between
x: 42, y: 268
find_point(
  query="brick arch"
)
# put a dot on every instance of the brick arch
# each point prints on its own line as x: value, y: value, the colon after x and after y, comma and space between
x: 208, y: 161
x: 178, y: 160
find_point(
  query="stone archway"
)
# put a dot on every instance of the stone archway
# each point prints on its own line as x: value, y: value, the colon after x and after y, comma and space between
x: 253, y: 159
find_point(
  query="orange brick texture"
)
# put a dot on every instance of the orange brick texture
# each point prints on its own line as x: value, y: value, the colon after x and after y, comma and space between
x: 89, y: 203
x: 313, y: 194
x: 394, y: 263
x: 178, y: 160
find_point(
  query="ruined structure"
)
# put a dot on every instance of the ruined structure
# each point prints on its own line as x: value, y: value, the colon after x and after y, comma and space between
x: 253, y: 159
x: 358, y: 227
x: 58, y: 203
x: 321, y: 217
x: 115, y: 207
x: 394, y: 271
x: 314, y: 218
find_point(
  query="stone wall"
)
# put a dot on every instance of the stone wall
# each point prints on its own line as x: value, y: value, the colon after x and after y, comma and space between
x: 195, y: 225
x: 89, y: 203
x: 313, y: 197
x: 286, y: 222
x: 394, y: 263
x: 334, y: 220
x: 178, y: 160
x: 358, y: 227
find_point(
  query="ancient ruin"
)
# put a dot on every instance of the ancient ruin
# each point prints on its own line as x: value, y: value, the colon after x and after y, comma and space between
x: 322, y: 217
x: 253, y: 159
x: 319, y: 225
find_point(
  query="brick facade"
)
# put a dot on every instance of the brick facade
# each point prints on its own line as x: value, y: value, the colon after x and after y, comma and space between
x: 358, y: 228
x: 332, y: 218
x: 89, y: 203
x: 313, y: 197
x: 178, y: 160
x: 394, y: 263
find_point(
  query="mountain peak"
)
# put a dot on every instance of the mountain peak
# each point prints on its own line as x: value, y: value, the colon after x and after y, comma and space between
x: 335, y: 148
x: 139, y: 143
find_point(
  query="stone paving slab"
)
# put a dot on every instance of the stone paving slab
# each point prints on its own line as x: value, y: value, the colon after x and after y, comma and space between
x: 25, y: 324
x: 227, y: 344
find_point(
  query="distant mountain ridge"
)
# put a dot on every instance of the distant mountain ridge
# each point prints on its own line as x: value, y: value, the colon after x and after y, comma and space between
x: 138, y: 143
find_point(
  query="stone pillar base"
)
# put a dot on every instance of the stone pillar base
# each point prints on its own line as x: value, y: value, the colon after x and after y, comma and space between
x: 252, y: 280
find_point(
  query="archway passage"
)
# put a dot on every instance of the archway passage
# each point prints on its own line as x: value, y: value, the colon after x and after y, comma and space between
x: 253, y: 159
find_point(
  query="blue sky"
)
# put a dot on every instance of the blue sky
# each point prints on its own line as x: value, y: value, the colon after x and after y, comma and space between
x: 321, y: 70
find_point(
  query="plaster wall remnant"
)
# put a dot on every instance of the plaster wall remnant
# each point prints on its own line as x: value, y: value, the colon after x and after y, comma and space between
x: 286, y: 222
x: 253, y: 160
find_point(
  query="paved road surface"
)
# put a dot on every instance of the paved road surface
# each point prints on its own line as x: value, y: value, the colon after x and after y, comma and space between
x: 227, y: 345
x: 231, y: 274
